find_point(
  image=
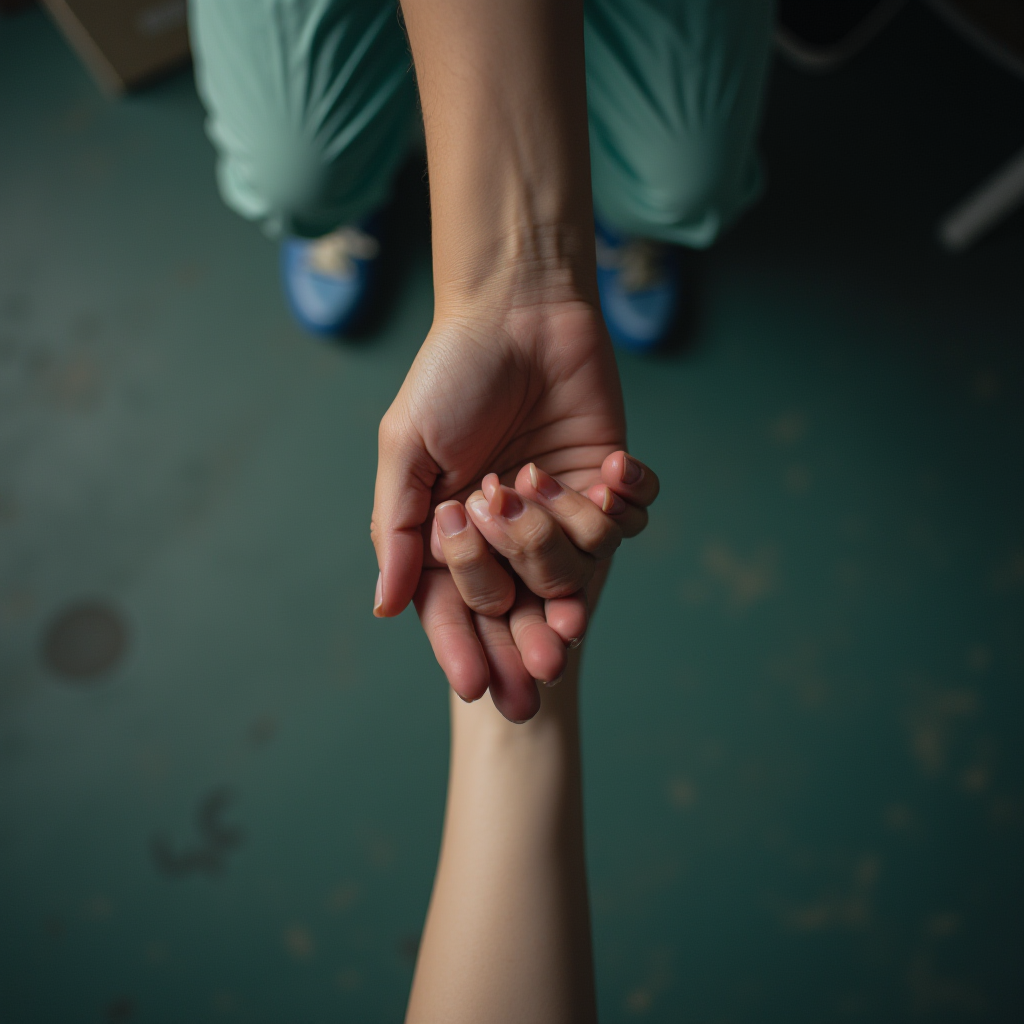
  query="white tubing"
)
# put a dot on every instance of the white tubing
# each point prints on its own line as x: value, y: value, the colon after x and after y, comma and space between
x: 984, y: 208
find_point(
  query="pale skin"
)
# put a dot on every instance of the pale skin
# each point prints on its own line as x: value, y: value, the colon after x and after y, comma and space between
x: 507, y: 935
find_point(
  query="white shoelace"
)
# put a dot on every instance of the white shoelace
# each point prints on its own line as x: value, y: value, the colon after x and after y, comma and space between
x: 334, y: 255
x: 639, y: 260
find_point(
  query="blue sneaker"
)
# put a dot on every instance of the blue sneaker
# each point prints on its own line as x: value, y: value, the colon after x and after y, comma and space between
x: 638, y: 281
x: 328, y: 280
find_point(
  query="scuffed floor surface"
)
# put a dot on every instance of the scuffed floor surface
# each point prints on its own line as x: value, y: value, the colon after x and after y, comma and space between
x: 802, y: 711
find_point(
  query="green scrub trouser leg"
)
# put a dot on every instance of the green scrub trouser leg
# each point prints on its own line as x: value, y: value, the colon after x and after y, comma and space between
x: 674, y: 93
x: 312, y: 106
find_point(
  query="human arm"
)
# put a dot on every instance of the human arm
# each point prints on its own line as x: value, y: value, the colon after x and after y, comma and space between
x: 507, y: 936
x: 517, y: 366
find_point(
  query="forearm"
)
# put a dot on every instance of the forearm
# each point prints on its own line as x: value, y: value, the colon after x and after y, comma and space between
x: 507, y: 936
x: 503, y: 89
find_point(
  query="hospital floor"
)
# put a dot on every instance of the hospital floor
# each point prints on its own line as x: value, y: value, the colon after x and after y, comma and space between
x: 803, y: 698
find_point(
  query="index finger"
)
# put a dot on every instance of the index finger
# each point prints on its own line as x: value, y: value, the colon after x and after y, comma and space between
x: 401, y: 504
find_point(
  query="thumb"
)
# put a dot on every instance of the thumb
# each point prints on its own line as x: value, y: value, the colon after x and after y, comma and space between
x: 401, y: 504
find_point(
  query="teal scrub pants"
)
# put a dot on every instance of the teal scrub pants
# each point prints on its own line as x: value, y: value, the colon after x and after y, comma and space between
x: 312, y: 107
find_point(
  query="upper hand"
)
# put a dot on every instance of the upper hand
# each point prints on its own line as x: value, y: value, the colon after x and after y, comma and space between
x: 490, y: 392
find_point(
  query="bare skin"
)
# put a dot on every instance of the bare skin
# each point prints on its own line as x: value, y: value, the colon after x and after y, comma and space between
x: 554, y: 538
x: 507, y: 936
x: 517, y: 368
x: 504, y: 455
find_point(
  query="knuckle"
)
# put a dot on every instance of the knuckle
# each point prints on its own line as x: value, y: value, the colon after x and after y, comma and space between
x: 492, y: 605
x: 566, y: 584
x: 486, y: 594
x: 518, y: 627
x: 594, y: 534
x: 540, y: 538
x: 462, y: 558
x: 443, y: 631
x: 491, y: 597
x: 608, y: 544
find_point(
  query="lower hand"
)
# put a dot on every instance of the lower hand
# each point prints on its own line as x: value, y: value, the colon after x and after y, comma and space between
x: 559, y: 542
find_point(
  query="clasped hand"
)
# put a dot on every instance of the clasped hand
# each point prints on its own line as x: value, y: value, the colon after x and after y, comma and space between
x: 502, y: 491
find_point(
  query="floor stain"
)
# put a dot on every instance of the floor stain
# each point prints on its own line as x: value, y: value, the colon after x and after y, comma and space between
x: 219, y: 838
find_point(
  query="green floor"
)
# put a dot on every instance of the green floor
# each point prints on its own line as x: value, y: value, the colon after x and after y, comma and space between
x: 804, y: 702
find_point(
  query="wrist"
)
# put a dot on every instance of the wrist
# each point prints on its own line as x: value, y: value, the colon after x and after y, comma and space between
x: 525, y: 264
x: 523, y: 307
x: 480, y: 732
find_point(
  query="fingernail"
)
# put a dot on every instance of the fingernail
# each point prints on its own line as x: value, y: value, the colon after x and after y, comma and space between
x: 554, y: 682
x: 489, y: 485
x: 378, y: 596
x: 510, y: 505
x: 632, y: 471
x: 451, y: 518
x: 574, y: 643
x: 544, y: 483
x: 481, y: 508
x: 611, y: 503
x: 520, y: 721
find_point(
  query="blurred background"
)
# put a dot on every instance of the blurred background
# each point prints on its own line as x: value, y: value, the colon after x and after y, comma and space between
x: 221, y: 780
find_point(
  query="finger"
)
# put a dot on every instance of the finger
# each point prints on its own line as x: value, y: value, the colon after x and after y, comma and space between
x: 451, y: 631
x: 630, y: 479
x: 631, y: 519
x: 567, y: 616
x: 530, y: 538
x: 512, y: 687
x: 582, y: 521
x: 541, y: 648
x: 401, y: 505
x: 483, y: 584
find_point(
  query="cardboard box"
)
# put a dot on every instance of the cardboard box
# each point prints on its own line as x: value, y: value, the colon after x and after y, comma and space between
x: 124, y: 43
